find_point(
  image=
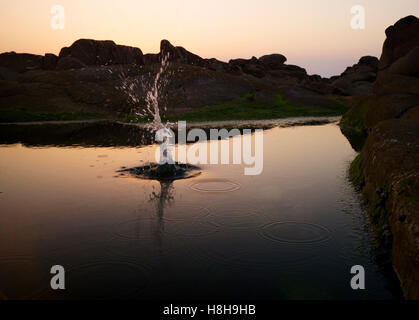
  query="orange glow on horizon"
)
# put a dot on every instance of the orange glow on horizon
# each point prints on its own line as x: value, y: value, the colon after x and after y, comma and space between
x: 313, y: 34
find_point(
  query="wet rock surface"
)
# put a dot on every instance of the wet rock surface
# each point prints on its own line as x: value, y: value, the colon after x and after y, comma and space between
x: 389, y: 160
x: 163, y: 172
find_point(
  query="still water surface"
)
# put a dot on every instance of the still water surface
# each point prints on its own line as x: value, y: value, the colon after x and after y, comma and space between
x: 292, y: 232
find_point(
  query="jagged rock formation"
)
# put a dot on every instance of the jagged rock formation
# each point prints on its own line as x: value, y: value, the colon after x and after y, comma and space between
x: 358, y: 79
x: 270, y: 68
x: 388, y: 166
x: 86, y: 75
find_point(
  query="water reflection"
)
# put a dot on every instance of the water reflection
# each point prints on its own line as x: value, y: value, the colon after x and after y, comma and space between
x: 292, y: 232
x: 107, y: 133
x: 160, y: 201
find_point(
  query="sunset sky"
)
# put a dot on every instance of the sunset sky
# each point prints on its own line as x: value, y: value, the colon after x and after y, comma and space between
x: 314, y: 34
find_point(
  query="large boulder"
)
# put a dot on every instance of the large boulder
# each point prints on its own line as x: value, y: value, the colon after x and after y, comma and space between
x: 401, y: 39
x: 96, y: 53
x: 270, y: 68
x: 407, y: 64
x: 23, y: 62
x: 179, y: 54
x: 182, y: 56
x: 397, y: 87
x: 273, y: 61
x: 248, y: 66
x: 390, y: 155
x: 359, y: 78
x: 288, y: 72
x: 390, y: 160
x: 20, y: 62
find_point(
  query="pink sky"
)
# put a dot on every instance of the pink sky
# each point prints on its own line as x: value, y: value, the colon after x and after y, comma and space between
x: 314, y: 34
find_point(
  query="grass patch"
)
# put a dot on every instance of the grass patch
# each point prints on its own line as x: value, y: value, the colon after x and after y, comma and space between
x: 380, y: 216
x: 244, y: 108
x: 353, y: 125
x: 23, y: 115
x: 376, y: 205
x: 356, y: 172
x: 355, y: 117
x: 253, y: 110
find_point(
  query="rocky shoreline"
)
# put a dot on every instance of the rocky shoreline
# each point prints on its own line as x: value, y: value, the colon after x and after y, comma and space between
x: 383, y: 122
x: 385, y: 127
x: 111, y: 133
x: 96, y: 77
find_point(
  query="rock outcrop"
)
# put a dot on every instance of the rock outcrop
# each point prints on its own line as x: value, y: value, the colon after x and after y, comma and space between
x: 86, y: 52
x: 80, y: 54
x: 179, y: 54
x: 269, y: 68
x: 20, y: 62
x: 401, y: 42
x: 98, y: 89
x: 16, y: 63
x: 273, y: 61
x: 389, y: 160
x: 358, y: 79
x: 86, y: 76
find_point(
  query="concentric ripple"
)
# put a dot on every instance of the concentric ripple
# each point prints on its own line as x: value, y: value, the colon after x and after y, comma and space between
x: 215, y: 185
x: 295, y: 232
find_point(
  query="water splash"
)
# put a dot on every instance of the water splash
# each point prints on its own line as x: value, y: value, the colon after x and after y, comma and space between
x: 135, y: 88
x: 152, y: 97
x: 139, y: 88
x: 167, y: 168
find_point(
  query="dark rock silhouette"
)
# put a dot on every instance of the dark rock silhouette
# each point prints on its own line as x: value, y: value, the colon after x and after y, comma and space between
x: 390, y: 156
x: 358, y: 79
x: 96, y: 53
x: 86, y: 75
x: 402, y: 39
x: 270, y: 68
x: 85, y: 53
x: 20, y: 62
x: 49, y: 62
x: 12, y: 63
x: 273, y: 61
x: 249, y: 66
x: 179, y: 54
